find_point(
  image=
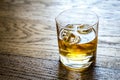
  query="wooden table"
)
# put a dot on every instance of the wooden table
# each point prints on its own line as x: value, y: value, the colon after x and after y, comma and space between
x: 28, y: 42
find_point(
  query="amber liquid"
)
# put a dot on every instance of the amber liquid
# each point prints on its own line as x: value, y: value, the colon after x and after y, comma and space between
x: 77, y: 46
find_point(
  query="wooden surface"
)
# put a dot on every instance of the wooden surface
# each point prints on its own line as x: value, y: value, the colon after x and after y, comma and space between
x: 28, y: 42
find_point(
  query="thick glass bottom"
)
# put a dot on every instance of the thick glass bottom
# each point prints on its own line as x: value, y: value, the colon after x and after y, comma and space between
x: 77, y: 65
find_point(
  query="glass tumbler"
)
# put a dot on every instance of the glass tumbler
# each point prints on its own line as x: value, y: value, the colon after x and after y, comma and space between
x: 77, y: 33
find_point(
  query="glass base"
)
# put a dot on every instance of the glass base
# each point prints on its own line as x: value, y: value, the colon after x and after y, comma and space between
x: 77, y: 65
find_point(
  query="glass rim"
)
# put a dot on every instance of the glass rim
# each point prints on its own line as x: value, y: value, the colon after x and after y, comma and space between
x: 97, y: 18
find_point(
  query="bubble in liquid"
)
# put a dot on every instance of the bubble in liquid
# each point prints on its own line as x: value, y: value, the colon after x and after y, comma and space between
x: 84, y: 29
x: 69, y: 36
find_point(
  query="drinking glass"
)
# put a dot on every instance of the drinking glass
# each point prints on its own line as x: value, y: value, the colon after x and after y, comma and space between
x: 77, y: 33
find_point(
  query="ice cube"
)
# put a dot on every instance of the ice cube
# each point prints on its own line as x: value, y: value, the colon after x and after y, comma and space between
x: 84, y: 29
x: 69, y: 36
x: 64, y: 33
x: 73, y: 39
x: 69, y: 26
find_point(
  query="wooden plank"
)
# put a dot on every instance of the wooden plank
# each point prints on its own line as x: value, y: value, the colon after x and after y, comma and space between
x: 28, y: 68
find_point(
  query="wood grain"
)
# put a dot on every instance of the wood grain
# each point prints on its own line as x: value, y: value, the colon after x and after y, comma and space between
x: 28, y: 42
x: 28, y: 68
